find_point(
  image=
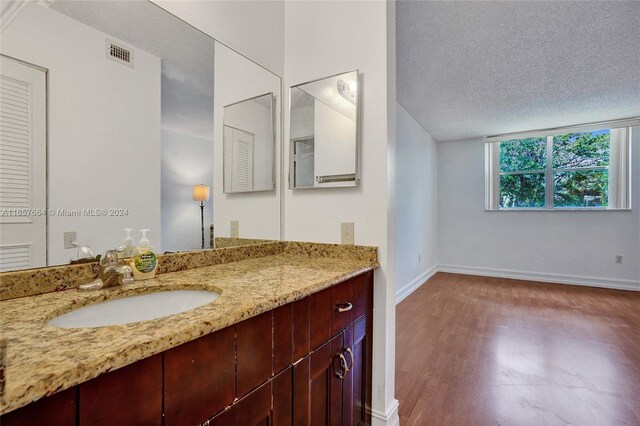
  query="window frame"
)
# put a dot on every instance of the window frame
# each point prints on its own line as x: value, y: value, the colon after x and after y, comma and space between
x: 620, y: 184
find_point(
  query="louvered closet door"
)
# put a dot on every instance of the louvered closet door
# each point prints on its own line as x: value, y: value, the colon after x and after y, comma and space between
x: 239, y: 148
x: 242, y: 176
x: 22, y: 165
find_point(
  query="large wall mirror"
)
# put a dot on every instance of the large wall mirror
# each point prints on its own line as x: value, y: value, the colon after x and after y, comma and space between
x: 113, y: 117
x: 323, y: 132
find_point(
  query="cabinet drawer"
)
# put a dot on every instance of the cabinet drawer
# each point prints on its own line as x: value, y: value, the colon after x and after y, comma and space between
x: 362, y: 291
x: 342, y: 306
x: 320, y: 318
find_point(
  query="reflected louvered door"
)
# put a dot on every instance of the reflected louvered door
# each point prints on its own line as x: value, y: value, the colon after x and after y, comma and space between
x: 22, y: 165
x: 242, y: 165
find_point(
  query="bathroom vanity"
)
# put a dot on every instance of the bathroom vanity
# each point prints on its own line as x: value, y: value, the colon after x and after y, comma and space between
x: 287, y: 342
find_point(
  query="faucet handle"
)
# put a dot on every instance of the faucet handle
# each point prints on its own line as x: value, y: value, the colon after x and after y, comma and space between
x: 126, y: 274
x: 110, y: 259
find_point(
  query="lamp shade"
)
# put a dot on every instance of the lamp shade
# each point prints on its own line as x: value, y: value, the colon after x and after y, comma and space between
x: 200, y: 193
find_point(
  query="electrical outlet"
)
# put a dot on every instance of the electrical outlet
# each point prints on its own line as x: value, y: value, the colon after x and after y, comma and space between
x: 235, y: 229
x: 347, y: 233
x: 618, y: 259
x: 419, y: 257
x: 69, y: 238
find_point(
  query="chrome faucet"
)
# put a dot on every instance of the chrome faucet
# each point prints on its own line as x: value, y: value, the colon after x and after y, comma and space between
x: 110, y: 274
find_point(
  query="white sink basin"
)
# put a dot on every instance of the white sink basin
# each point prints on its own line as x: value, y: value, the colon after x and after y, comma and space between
x: 132, y: 309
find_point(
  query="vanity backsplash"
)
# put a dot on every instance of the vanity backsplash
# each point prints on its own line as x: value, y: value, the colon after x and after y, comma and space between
x: 32, y: 282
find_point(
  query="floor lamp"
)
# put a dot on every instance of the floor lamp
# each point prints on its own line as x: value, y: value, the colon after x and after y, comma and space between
x: 201, y: 193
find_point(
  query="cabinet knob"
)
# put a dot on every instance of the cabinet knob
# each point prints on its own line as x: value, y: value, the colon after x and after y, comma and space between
x: 343, y: 307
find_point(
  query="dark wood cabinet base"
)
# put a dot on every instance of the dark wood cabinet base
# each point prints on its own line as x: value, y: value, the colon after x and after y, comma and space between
x: 305, y: 363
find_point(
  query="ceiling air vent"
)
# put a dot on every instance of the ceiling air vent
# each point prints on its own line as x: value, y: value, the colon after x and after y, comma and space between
x: 118, y: 53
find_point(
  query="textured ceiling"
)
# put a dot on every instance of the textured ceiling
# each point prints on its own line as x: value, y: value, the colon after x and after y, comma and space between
x: 467, y: 69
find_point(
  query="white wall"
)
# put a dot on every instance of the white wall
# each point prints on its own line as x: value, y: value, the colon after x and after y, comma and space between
x: 104, y: 129
x: 561, y: 246
x: 417, y: 205
x: 322, y: 39
x: 258, y: 213
x: 253, y: 28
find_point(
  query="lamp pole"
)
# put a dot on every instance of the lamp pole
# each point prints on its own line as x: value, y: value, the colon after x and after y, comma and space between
x: 202, y: 220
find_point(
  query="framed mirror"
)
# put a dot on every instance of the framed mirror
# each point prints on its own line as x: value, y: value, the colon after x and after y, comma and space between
x: 249, y: 145
x: 113, y: 118
x: 324, y: 132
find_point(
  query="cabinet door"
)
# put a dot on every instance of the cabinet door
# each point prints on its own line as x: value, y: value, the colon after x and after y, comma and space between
x: 317, y: 390
x: 254, y: 352
x: 282, y: 398
x: 199, y: 378
x: 226, y: 418
x: 255, y: 408
x: 131, y: 395
x: 356, y: 395
x: 58, y: 409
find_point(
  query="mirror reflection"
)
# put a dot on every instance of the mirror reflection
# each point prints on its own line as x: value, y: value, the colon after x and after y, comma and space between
x: 324, y: 132
x: 248, y: 145
x: 113, y: 119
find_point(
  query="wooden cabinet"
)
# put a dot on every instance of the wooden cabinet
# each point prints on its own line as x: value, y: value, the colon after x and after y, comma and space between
x: 199, y: 378
x: 305, y: 363
x: 316, y: 387
x: 58, y: 409
x: 330, y: 384
x: 254, y: 349
x: 356, y: 389
x: 252, y: 410
x: 131, y: 395
x: 300, y: 328
x: 282, y: 398
x: 282, y: 337
x: 255, y: 408
x: 341, y: 306
x: 319, y: 318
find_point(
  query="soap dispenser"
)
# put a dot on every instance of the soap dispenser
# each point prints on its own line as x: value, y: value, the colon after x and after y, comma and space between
x: 144, y: 262
x: 127, y: 249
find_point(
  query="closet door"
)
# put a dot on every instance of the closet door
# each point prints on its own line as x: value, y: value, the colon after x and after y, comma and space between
x: 23, y: 127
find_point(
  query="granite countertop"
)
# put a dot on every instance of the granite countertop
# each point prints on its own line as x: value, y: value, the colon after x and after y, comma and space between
x: 42, y: 360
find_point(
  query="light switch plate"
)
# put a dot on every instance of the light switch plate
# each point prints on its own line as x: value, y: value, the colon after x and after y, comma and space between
x: 347, y: 233
x: 69, y: 238
x: 235, y: 229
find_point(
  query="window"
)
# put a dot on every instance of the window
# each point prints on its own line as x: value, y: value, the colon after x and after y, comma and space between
x: 584, y: 167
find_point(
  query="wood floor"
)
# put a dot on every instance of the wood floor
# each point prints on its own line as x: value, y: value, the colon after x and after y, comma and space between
x: 489, y: 351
